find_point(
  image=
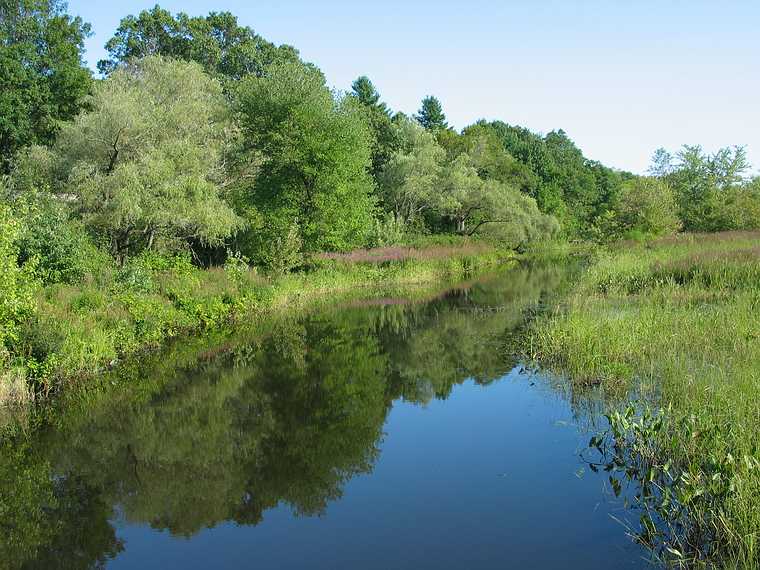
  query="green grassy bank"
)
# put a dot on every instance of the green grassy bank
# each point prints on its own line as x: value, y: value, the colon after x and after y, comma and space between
x: 677, y: 321
x: 79, y: 330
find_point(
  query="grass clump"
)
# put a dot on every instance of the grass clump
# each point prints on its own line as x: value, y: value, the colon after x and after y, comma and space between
x: 677, y: 320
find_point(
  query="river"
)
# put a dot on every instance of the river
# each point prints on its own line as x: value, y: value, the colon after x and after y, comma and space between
x: 391, y: 433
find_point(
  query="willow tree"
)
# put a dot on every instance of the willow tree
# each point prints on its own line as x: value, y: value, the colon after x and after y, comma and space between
x: 143, y: 165
x: 409, y: 181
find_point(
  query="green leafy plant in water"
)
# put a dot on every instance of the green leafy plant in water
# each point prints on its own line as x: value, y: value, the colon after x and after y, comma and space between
x: 682, y: 502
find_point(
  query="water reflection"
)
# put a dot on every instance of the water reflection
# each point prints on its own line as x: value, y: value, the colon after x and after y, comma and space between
x: 285, y: 413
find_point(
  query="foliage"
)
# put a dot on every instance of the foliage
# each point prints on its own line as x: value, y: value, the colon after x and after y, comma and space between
x: 492, y: 160
x: 431, y: 116
x: 712, y: 191
x: 385, y: 136
x: 387, y: 230
x: 57, y: 245
x: 564, y: 183
x: 43, y: 80
x: 285, y: 252
x: 681, y: 502
x: 409, y: 181
x: 144, y: 161
x: 647, y: 205
x: 217, y: 42
x: 421, y: 184
x: 645, y: 317
x: 16, y: 285
x: 316, y: 151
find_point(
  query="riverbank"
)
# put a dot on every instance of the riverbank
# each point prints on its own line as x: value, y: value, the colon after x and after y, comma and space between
x: 677, y: 321
x: 82, y: 329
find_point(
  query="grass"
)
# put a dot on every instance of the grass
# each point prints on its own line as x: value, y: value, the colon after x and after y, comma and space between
x: 83, y: 329
x: 677, y: 320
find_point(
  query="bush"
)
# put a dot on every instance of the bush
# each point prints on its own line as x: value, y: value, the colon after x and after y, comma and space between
x: 279, y: 250
x: 16, y: 283
x: 61, y: 248
x: 647, y: 205
x: 387, y: 230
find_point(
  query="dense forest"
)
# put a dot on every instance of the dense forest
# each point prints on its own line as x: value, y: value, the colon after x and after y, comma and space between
x: 203, y: 145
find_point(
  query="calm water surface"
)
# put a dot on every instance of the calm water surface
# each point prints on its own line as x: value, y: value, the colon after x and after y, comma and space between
x: 389, y: 434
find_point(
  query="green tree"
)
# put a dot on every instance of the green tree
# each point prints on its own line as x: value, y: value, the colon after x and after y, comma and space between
x: 216, y: 41
x: 431, y: 115
x: 464, y: 198
x: 409, y: 182
x: 570, y: 187
x: 365, y: 91
x: 43, y: 80
x: 316, y: 152
x: 662, y: 163
x: 707, y: 185
x: 144, y: 163
x: 385, y: 139
x: 493, y: 161
x: 647, y: 205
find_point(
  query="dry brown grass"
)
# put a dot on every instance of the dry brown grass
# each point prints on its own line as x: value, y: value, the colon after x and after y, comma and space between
x: 719, y: 237
x: 13, y: 389
x: 383, y: 254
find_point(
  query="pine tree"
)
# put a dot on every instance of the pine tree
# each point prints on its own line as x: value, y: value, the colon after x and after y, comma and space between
x: 431, y: 115
x: 365, y: 91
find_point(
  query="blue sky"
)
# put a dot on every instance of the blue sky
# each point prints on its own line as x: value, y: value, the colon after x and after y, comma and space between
x: 622, y: 77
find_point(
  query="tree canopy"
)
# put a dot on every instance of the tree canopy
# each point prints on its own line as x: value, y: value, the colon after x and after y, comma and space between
x: 431, y: 115
x: 206, y: 136
x: 43, y: 80
x: 215, y: 41
x: 316, y: 153
x: 144, y: 163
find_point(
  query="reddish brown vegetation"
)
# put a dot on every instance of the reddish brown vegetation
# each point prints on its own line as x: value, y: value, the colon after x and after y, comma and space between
x: 707, y: 238
x: 381, y: 254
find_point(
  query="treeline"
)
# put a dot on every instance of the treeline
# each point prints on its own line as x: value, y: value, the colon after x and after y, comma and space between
x: 205, y: 137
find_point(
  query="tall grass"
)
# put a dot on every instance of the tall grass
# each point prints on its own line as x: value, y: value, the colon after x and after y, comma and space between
x: 678, y: 320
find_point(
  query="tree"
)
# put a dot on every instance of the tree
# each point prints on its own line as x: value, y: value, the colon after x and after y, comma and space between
x: 43, y: 80
x: 144, y: 163
x: 409, y: 182
x: 464, y: 197
x: 365, y: 91
x: 216, y: 41
x: 569, y: 186
x: 662, y: 163
x: 706, y: 185
x: 489, y: 206
x: 385, y: 139
x: 493, y: 162
x: 316, y: 151
x: 431, y: 116
x: 647, y: 205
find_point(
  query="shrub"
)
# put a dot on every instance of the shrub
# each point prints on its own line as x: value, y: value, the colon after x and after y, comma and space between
x: 387, y: 230
x: 16, y: 283
x: 647, y: 206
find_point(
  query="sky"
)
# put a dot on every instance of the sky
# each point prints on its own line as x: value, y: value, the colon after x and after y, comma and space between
x: 621, y: 77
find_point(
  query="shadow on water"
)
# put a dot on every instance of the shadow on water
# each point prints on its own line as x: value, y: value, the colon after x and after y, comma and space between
x: 379, y: 434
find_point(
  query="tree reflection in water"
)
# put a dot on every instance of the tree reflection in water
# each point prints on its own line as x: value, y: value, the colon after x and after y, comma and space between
x: 193, y: 437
